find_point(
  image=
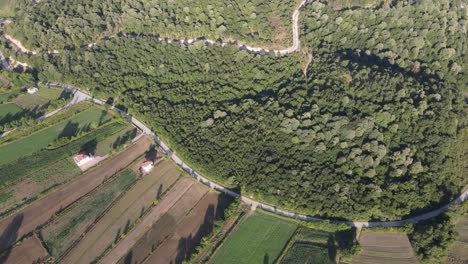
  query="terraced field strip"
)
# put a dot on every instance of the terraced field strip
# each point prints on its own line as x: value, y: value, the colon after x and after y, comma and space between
x: 40, y: 211
x: 189, y: 232
x: 127, y: 210
x: 41, y: 139
x: 165, y: 226
x: 29, y: 251
x: 152, y: 218
x: 380, y: 247
x: 259, y: 239
x: 63, y: 231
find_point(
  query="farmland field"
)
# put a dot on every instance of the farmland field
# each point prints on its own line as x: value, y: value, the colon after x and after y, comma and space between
x: 7, y: 8
x: 39, y: 212
x: 41, y: 139
x: 61, y: 233
x: 29, y: 251
x: 8, y: 110
x: 118, y: 139
x: 23, y: 166
x: 259, y: 239
x: 302, y: 253
x: 381, y: 247
x: 38, y: 99
x: 7, y: 96
x: 459, y: 251
x: 123, y: 214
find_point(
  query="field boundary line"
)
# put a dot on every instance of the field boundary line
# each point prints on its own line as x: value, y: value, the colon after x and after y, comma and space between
x: 90, y: 227
x: 292, y: 240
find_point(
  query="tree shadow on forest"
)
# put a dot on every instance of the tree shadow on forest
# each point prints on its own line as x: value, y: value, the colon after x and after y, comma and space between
x: 9, y: 236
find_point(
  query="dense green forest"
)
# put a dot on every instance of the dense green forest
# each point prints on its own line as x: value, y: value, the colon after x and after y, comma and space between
x: 366, y: 131
x: 64, y: 24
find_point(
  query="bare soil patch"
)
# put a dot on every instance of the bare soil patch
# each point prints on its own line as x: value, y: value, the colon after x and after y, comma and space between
x: 29, y: 251
x: 118, y: 252
x: 124, y: 213
x: 188, y: 234
x: 39, y: 212
x: 165, y: 226
x: 379, y: 247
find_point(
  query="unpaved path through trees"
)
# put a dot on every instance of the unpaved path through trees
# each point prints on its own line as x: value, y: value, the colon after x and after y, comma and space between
x: 39, y: 212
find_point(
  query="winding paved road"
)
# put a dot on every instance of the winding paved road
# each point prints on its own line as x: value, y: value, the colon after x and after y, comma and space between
x: 359, y: 224
x: 81, y: 96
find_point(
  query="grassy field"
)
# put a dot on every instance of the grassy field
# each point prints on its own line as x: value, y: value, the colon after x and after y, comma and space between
x: 301, y: 253
x: 7, y: 96
x: 41, y: 139
x: 38, y: 99
x: 259, y: 239
x: 7, y: 8
x: 22, y: 167
x: 115, y: 141
x: 459, y: 252
x: 61, y: 233
x: 8, y: 110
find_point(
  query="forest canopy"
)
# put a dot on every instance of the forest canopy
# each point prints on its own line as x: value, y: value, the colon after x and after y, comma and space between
x: 366, y: 131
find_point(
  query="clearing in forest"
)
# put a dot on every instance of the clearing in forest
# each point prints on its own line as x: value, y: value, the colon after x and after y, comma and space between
x: 259, y: 239
x: 382, y: 248
x: 126, y: 211
x: 39, y: 212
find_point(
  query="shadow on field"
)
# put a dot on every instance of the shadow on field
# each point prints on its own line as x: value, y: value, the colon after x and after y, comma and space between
x: 266, y: 259
x: 8, y: 237
x: 187, y: 245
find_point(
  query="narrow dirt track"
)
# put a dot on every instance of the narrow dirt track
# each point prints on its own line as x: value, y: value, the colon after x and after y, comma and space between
x: 39, y: 212
x: 125, y: 212
x: 29, y: 251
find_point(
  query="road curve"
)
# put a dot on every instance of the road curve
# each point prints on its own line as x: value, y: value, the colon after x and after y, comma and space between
x: 255, y: 204
x: 256, y: 50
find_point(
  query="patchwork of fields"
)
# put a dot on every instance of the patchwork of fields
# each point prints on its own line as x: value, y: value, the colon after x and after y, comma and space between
x: 459, y: 252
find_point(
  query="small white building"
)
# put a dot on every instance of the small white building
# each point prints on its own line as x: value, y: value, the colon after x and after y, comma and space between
x: 146, y: 166
x: 82, y: 158
x: 32, y: 90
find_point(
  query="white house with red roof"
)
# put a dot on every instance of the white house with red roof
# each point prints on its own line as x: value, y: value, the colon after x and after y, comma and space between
x: 82, y: 158
x: 146, y: 166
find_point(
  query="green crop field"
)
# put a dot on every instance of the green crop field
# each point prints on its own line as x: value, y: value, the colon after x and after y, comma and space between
x: 7, y: 96
x: 459, y: 250
x: 20, y: 168
x: 40, y: 98
x: 41, y: 139
x: 61, y: 233
x: 8, y: 110
x: 115, y: 141
x: 7, y: 8
x: 259, y: 239
x: 301, y: 253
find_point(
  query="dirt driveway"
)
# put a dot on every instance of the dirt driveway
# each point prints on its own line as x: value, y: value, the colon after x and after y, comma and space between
x: 39, y: 212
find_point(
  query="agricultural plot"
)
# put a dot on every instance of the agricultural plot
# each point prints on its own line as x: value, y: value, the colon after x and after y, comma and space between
x: 67, y: 228
x: 311, y: 246
x: 380, y: 247
x: 115, y: 141
x: 41, y: 139
x: 124, y: 213
x: 39, y: 212
x: 23, y: 166
x: 7, y: 8
x: 459, y: 252
x: 43, y: 96
x: 9, y: 111
x: 9, y: 95
x: 259, y: 239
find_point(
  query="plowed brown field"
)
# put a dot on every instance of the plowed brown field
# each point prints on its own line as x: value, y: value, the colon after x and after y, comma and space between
x: 379, y: 247
x: 29, y: 251
x: 124, y: 213
x: 39, y: 212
